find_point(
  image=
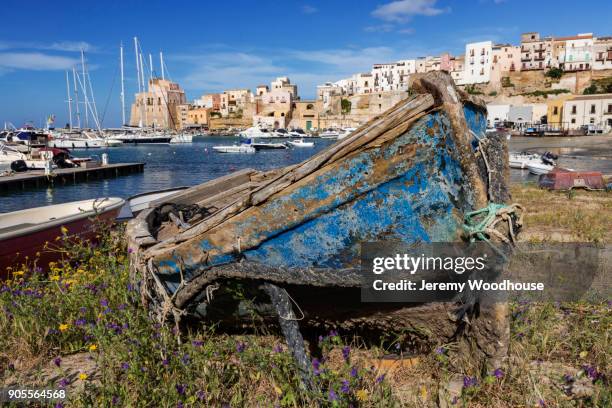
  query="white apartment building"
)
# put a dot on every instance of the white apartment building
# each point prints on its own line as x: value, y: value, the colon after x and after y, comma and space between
x: 602, y: 53
x: 478, y: 59
x: 594, y: 111
x: 536, y: 52
x: 578, y: 53
x: 506, y: 58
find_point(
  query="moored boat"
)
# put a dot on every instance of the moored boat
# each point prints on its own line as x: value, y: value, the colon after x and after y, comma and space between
x: 242, y: 148
x: 25, y: 233
x: 300, y: 143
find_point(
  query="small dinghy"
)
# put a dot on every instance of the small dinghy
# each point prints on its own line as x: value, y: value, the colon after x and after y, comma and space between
x: 522, y: 160
x: 412, y: 175
x: 139, y: 202
x: 24, y: 233
x: 300, y: 143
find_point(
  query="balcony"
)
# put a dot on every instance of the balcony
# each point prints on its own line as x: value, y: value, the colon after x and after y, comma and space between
x: 525, y: 59
x: 539, y: 58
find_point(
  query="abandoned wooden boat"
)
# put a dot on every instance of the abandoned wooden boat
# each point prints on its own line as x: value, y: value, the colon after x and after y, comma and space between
x: 220, y: 249
x: 139, y: 202
x: 25, y: 233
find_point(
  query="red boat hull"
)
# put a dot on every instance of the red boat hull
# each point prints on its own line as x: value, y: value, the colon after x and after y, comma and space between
x: 22, y: 249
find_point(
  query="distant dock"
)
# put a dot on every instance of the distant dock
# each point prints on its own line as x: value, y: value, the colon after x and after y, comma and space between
x: 37, y: 178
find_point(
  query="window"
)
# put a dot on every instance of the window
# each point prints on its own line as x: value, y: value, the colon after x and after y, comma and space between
x: 593, y: 108
x: 573, y: 109
x: 592, y: 121
x: 556, y: 110
x: 610, y: 108
x: 573, y: 120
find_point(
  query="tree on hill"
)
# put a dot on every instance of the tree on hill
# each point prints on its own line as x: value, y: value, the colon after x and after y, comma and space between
x: 554, y: 73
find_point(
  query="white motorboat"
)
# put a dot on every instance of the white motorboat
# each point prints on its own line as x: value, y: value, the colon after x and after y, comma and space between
x: 242, y: 148
x: 141, y: 137
x: 346, y: 132
x: 300, y: 143
x: 522, y: 160
x: 139, y: 202
x: 182, y: 138
x: 256, y: 132
x: 77, y: 140
x: 540, y: 168
x: 282, y: 133
x: 329, y: 134
x: 267, y: 146
x: 297, y: 132
x: 34, y: 160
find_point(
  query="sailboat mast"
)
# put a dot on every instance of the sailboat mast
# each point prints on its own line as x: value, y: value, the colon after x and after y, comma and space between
x: 143, y: 89
x: 69, y: 100
x: 137, y: 62
x: 76, y: 97
x: 122, y: 85
x: 150, y: 66
x: 84, y: 89
x: 161, y: 62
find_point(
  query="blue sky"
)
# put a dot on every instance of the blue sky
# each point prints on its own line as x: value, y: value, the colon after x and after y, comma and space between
x: 212, y: 46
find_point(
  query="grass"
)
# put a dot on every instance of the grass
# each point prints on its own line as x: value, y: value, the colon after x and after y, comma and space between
x: 83, y: 328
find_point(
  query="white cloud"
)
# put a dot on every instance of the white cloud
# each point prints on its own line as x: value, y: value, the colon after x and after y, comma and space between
x: 307, y: 9
x: 384, y: 28
x: 64, y: 46
x: 404, y: 10
x: 35, y: 61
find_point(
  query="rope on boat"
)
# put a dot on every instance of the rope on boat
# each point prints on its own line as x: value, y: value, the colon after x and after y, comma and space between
x: 482, y: 142
x: 481, y: 224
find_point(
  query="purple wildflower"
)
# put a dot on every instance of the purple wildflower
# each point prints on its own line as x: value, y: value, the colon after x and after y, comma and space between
x: 345, y: 389
x: 498, y: 373
x: 542, y: 403
x: 63, y: 383
x: 125, y: 366
x: 165, y: 362
x: 122, y: 306
x: 568, y: 378
x: 130, y: 250
x: 380, y: 379
x: 333, y: 333
x: 80, y: 322
x: 180, y: 388
x: 59, y: 405
x: 83, y: 310
x: 354, y: 372
x: 11, y: 367
x: 240, y: 347
x: 278, y: 348
x: 180, y: 404
x: 469, y: 382
x: 440, y: 350
x: 333, y: 396
x: 591, y: 372
x: 115, y: 400
x: 57, y: 361
x: 201, y: 395
x: 454, y: 400
x: 346, y: 351
x: 320, y: 339
x: 104, y: 303
x: 185, y: 359
x: 197, y: 343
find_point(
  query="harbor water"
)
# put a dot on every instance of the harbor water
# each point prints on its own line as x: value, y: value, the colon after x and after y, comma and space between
x: 166, y: 166
x: 194, y: 163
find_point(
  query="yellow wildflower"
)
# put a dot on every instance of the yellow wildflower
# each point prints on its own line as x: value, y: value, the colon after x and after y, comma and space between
x: 278, y: 390
x: 93, y: 347
x: 82, y: 376
x: 362, y: 395
x: 54, y: 277
x: 18, y: 273
x: 63, y: 327
x: 64, y: 230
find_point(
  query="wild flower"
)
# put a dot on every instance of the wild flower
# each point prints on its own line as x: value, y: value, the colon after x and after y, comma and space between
x: 80, y: 322
x: 362, y: 395
x: 354, y: 372
x: 346, y: 351
x: 440, y: 350
x: 240, y: 347
x: 104, y: 303
x: 469, y: 382
x: 197, y: 343
x: 93, y: 347
x: 345, y: 388
x: 333, y: 396
x: 498, y: 373
x: 83, y: 376
x: 63, y: 383
x: 63, y: 327
x: 57, y: 361
x: 278, y: 348
x: 125, y: 366
x: 380, y: 379
x: 181, y: 388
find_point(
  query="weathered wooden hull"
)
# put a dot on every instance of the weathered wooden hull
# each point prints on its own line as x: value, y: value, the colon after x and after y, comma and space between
x: 409, y: 176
